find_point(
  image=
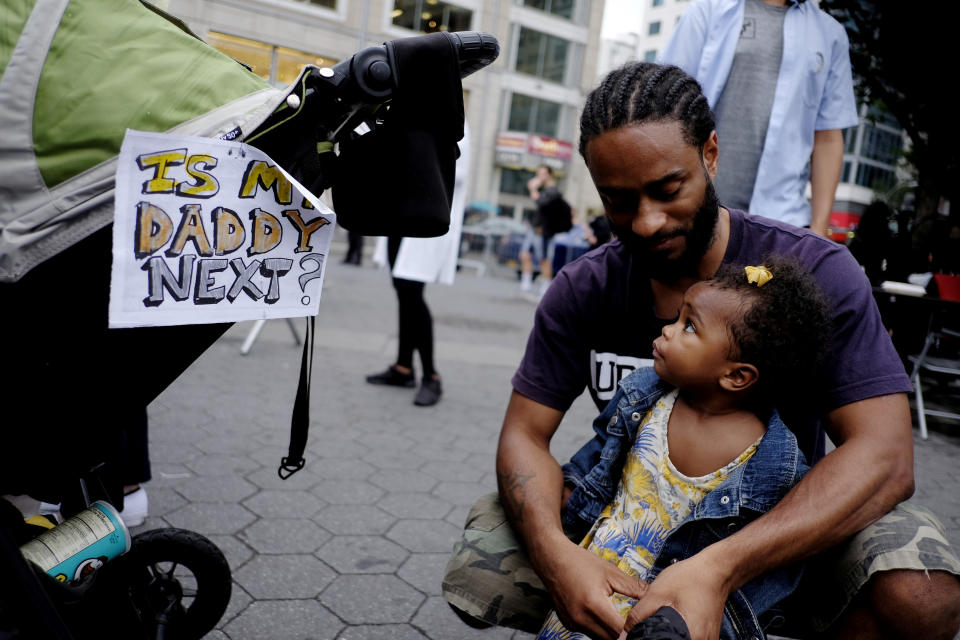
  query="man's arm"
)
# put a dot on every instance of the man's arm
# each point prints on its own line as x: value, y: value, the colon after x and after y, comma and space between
x: 826, y: 164
x: 531, y: 491
x: 869, y: 472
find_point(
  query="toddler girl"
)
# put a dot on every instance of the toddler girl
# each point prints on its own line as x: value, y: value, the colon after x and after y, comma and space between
x: 690, y: 450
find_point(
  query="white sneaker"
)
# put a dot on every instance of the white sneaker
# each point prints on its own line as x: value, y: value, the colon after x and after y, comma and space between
x: 134, y: 508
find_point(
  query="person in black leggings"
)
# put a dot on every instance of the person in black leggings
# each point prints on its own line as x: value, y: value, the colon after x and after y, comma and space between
x: 416, y: 334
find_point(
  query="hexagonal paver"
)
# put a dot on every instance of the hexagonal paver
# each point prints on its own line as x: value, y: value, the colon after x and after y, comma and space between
x: 362, y: 554
x: 220, y: 464
x: 381, y: 632
x: 388, y: 442
x: 284, y: 504
x: 347, y: 492
x: 268, y: 479
x: 217, y: 489
x: 414, y: 505
x: 288, y: 576
x: 219, y: 444
x: 404, y: 480
x: 163, y: 500
x: 341, y: 468
x: 451, y: 471
x: 336, y: 448
x: 287, y: 619
x: 175, y: 452
x: 424, y: 536
x: 169, y: 474
x: 376, y: 599
x: 360, y: 519
x: 395, y: 459
x: 424, y: 571
x: 460, y: 493
x: 445, y: 452
x: 211, y: 518
x: 284, y: 535
x: 235, y: 551
x: 439, y: 622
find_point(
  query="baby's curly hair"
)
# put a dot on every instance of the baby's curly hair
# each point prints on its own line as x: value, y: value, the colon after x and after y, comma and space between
x: 784, y: 329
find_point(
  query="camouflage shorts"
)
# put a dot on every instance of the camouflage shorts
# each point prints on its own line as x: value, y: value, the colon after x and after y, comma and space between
x: 490, y: 578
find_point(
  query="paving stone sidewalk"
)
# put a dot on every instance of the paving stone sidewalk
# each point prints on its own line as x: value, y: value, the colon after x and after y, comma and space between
x: 353, y: 546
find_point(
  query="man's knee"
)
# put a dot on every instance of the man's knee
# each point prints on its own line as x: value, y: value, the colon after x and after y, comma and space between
x: 916, y: 604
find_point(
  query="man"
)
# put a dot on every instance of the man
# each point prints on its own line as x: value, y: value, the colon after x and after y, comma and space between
x: 777, y: 75
x: 648, y: 139
x: 552, y: 217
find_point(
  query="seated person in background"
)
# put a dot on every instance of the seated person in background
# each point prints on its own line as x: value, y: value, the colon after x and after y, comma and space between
x: 702, y: 443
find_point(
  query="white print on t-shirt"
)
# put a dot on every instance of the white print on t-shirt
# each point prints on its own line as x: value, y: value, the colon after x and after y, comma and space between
x: 607, y: 369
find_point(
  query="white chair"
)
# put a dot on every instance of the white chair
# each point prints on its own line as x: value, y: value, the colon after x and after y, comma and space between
x: 938, y: 341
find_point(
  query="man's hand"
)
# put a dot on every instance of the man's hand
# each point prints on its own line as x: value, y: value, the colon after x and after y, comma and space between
x: 694, y: 588
x: 581, y: 584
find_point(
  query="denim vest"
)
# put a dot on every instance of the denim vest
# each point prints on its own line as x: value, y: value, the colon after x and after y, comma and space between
x: 749, y: 491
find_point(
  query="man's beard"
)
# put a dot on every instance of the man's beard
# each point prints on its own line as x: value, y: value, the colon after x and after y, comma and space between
x: 698, y: 238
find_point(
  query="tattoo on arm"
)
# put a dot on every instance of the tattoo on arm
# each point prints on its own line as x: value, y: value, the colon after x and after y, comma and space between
x: 511, y: 492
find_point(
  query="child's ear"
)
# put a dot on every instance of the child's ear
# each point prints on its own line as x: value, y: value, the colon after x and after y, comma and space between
x: 739, y: 377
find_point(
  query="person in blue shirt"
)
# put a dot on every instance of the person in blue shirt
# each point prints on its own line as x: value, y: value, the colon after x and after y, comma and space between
x: 777, y: 75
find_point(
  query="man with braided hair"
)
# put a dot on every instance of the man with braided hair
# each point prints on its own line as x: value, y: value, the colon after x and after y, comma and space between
x: 875, y: 566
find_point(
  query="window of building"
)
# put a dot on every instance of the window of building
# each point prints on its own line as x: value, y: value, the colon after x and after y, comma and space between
x: 534, y: 115
x: 658, y: 3
x: 654, y: 28
x: 876, y: 178
x: 849, y: 140
x: 430, y: 16
x: 881, y: 145
x: 330, y: 4
x: 540, y: 54
x: 650, y: 55
x: 279, y: 65
x: 846, y: 171
x: 514, y: 181
x: 562, y: 8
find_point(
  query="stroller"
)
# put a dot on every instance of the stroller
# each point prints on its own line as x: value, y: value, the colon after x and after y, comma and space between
x: 388, y: 117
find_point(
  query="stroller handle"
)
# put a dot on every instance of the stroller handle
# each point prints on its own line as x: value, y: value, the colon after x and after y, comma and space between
x: 371, y: 72
x: 475, y: 49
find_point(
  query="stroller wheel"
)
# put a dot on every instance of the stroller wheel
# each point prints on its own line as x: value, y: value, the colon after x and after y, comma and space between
x: 179, y: 582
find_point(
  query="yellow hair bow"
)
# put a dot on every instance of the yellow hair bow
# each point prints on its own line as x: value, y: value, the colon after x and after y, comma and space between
x: 758, y: 275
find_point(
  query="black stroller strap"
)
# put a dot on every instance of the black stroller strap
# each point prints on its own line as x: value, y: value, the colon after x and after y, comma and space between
x: 300, y: 421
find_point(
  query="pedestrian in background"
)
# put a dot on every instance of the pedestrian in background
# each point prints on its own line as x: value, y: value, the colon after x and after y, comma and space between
x: 553, y: 216
x: 413, y: 263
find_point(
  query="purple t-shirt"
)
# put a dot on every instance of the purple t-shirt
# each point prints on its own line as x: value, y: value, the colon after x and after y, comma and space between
x: 596, y: 324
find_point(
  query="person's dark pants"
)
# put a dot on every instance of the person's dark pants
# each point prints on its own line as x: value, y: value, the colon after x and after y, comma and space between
x: 354, y: 248
x: 416, y: 323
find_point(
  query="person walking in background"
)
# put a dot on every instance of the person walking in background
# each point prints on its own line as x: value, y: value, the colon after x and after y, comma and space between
x: 413, y: 263
x: 777, y: 75
x: 553, y: 216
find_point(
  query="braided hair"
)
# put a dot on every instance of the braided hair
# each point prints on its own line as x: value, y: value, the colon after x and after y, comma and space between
x: 643, y: 92
x: 783, y: 329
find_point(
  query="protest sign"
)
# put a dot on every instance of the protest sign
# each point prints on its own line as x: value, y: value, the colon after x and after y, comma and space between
x: 212, y: 231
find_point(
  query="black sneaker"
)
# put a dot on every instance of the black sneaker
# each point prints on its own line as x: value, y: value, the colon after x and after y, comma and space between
x: 393, y: 378
x: 429, y: 393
